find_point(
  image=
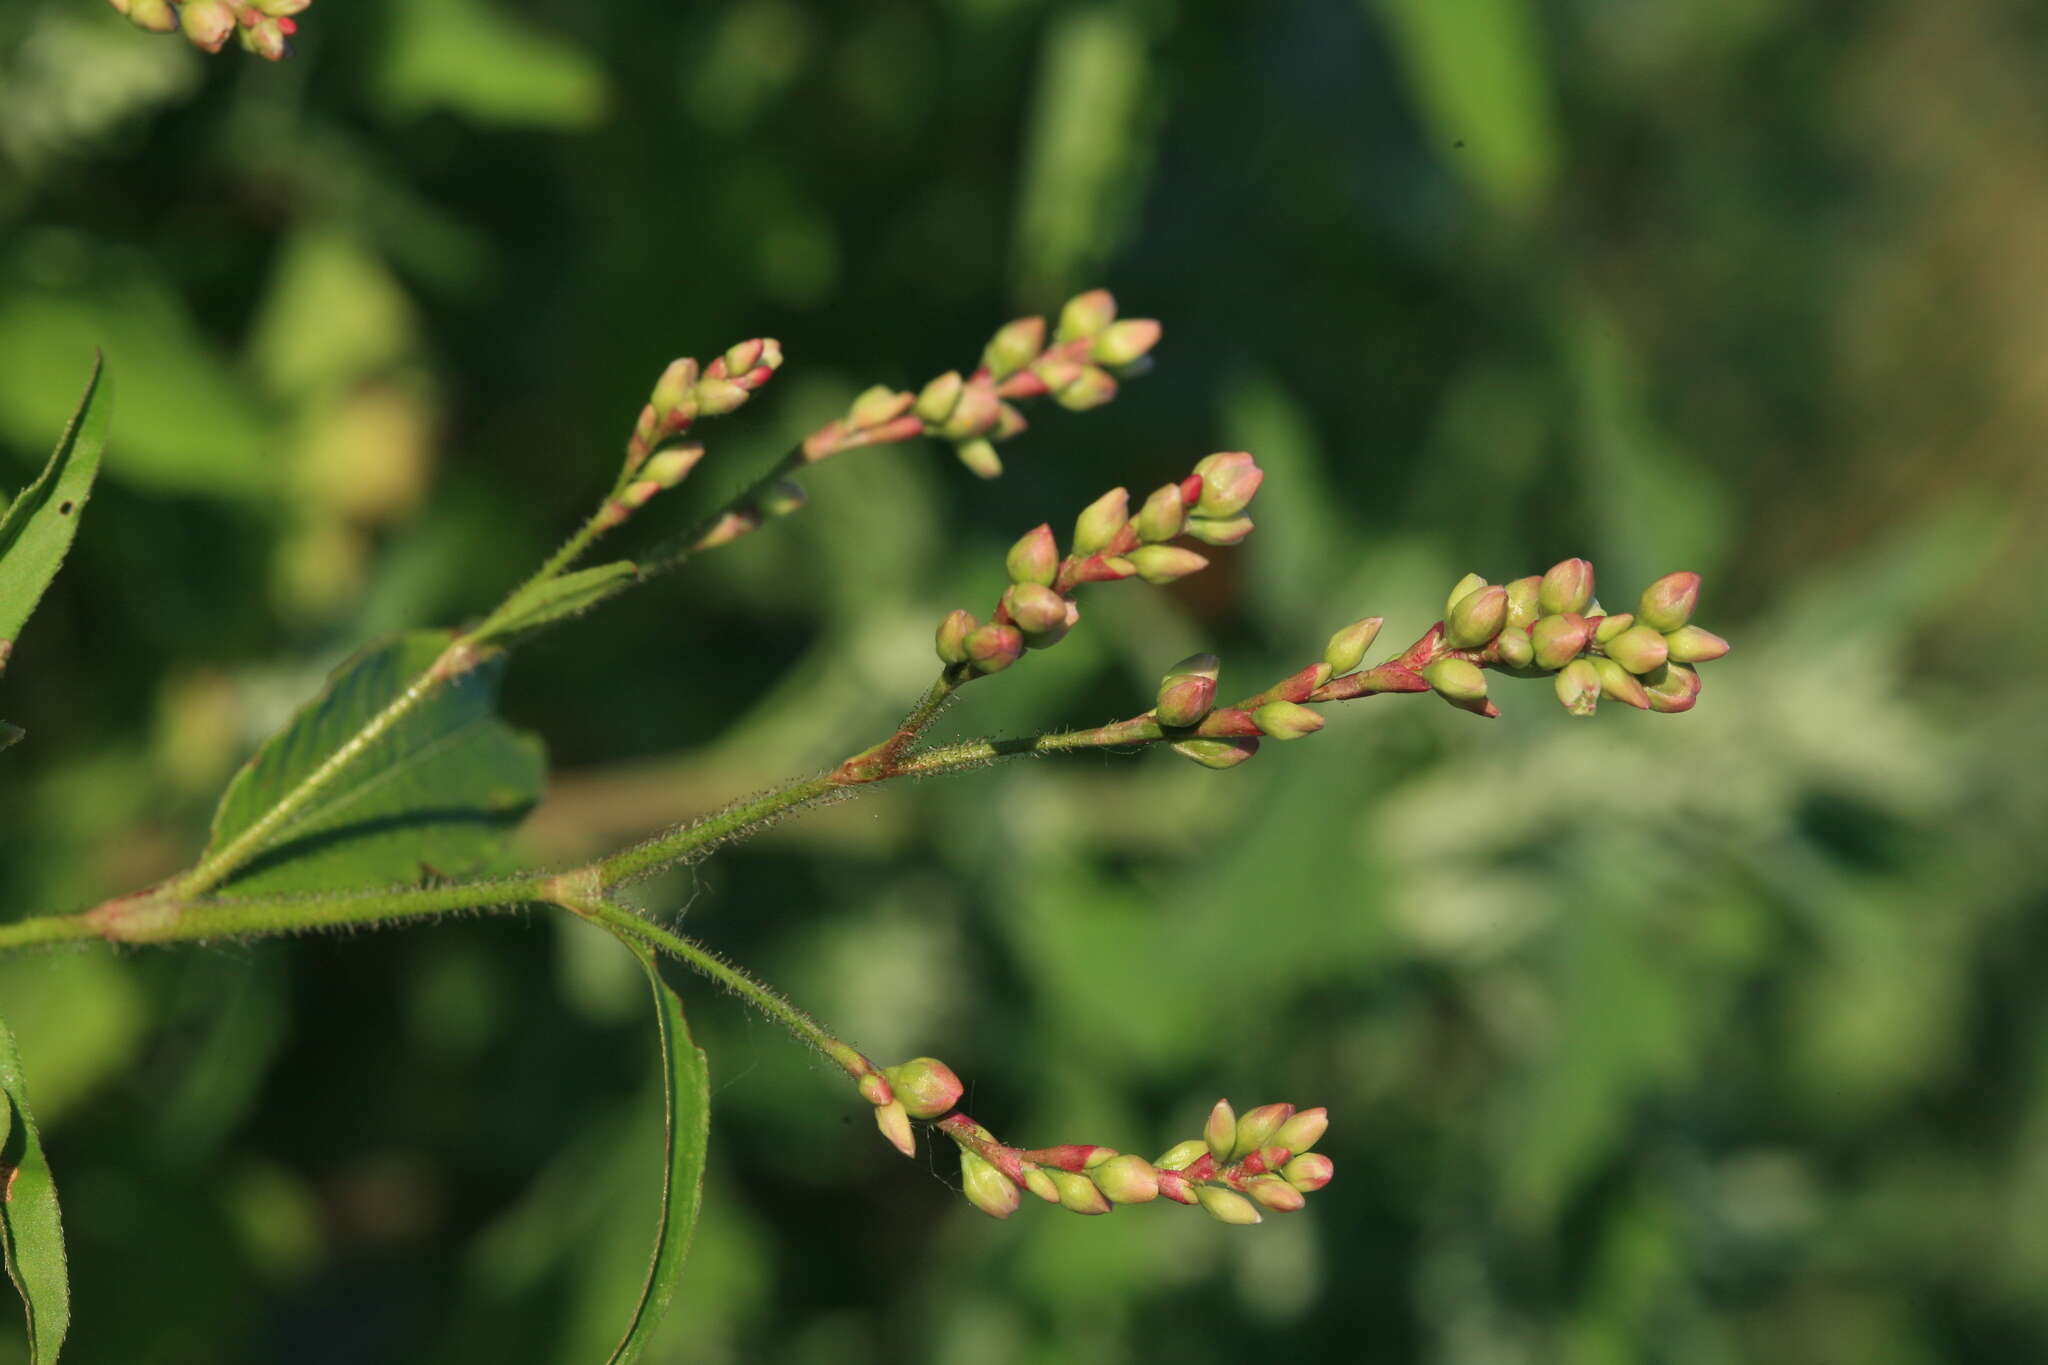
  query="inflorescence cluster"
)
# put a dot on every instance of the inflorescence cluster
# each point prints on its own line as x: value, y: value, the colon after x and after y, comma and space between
x: 264, y: 27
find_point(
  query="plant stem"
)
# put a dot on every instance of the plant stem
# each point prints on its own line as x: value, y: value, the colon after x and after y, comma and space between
x: 671, y: 554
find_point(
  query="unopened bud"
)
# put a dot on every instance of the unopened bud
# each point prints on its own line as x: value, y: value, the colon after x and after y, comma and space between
x: 157, y: 16
x: 1672, y: 688
x: 1578, y: 686
x: 987, y: 1188
x: 1286, y: 720
x: 1620, y: 684
x: 1567, y: 588
x: 1517, y: 650
x: 670, y: 467
x: 1163, y: 516
x: 1608, y: 627
x: 879, y: 405
x: 1461, y: 590
x: 1229, y: 479
x: 1456, y: 680
x: 1078, y: 1193
x: 1347, y: 647
x: 894, y: 1122
x: 1255, y: 1129
x: 207, y: 23
x: 1477, y: 618
x: 1217, y: 753
x: 1125, y: 342
x: 994, y: 647
x: 1085, y: 315
x: 1220, y: 1131
x: 1691, y: 645
x: 952, y: 636
x: 1276, y: 1194
x: 742, y: 356
x: 1040, y: 1184
x: 716, y: 397
x: 1161, y: 564
x: 975, y: 414
x: 1309, y: 1172
x: 1522, y: 604
x: 1188, y: 691
x: 1173, y: 1185
x: 926, y: 1087
x: 980, y: 458
x: 1009, y: 422
x: 1015, y: 345
x: 1668, y: 603
x: 1091, y: 388
x: 936, y: 401
x: 1182, y: 1154
x: 1218, y: 530
x: 676, y: 386
x: 1104, y: 518
x: 1036, y: 609
x: 1639, y: 649
x: 1227, y: 1206
x: 1127, y: 1180
x: 1035, y: 558
x: 1303, y: 1131
x: 1559, y: 639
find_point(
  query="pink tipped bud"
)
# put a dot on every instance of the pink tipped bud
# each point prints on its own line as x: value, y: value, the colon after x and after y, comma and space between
x: 1276, y: 1194
x: 1015, y: 345
x: 1672, y: 689
x: 1091, y: 388
x: 1285, y: 720
x: 1182, y: 1154
x: 993, y: 648
x: 716, y: 397
x: 743, y: 356
x: 1188, y: 692
x: 1607, y: 627
x: 1229, y: 479
x: 1174, y: 1186
x: 1303, y: 1131
x: 1217, y: 753
x: 874, y: 1088
x: 1620, y: 684
x: 1127, y: 1180
x: 1523, y: 608
x: 676, y: 389
x: 1477, y: 618
x: 1163, y: 516
x: 1162, y: 564
x: 1460, y: 590
x: 926, y: 1087
x: 1009, y: 422
x: 1567, y: 588
x: 157, y: 16
x: 952, y: 636
x: 1256, y: 1129
x: 980, y: 458
x: 976, y: 414
x: 879, y: 406
x: 1347, y: 647
x: 1578, y: 686
x: 670, y: 467
x: 1227, y: 1206
x: 1219, y: 530
x: 1078, y: 1193
x: 1559, y: 639
x: 1456, y: 680
x: 1668, y: 603
x: 1516, y: 649
x: 1220, y: 1132
x: 1035, y: 558
x: 208, y: 24
x: 1085, y: 315
x: 987, y: 1188
x: 1309, y: 1172
x: 1037, y: 610
x: 1691, y: 645
x: 894, y: 1122
x: 1639, y: 649
x: 1126, y: 342
x: 936, y: 401
x: 1102, y: 522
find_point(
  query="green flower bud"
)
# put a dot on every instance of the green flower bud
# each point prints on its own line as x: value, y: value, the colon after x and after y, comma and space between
x: 1182, y: 1154
x: 980, y: 458
x: 1217, y: 753
x: 1218, y: 530
x: 1477, y: 618
x: 1620, y: 684
x: 157, y: 16
x: 1101, y: 522
x: 1691, y: 645
x: 282, y: 9
x: 1559, y: 639
x: 1522, y: 604
x: 1456, y: 680
x: 1091, y: 388
x: 1173, y: 1185
x: 1578, y: 686
x: 936, y: 401
x: 1611, y: 626
x: 716, y: 397
x: 1567, y: 589
x: 1220, y: 1131
x: 670, y: 467
x: 1227, y: 1206
x: 952, y: 636
x: 1162, y: 564
x: 1229, y: 479
x: 1276, y: 1194
x: 1163, y: 516
x: 1127, y: 1180
x: 1309, y: 1172
x: 1347, y: 647
x: 1672, y: 688
x: 926, y: 1087
x: 1039, y: 1183
x: 1085, y: 315
x: 1255, y: 1129
x: 1035, y: 558
x: 677, y: 386
x: 976, y: 414
x: 1303, y: 1131
x: 1668, y: 603
x: 993, y: 647
x: 1078, y: 1193
x: 1125, y: 342
x: 1036, y: 610
x: 878, y: 406
x: 1286, y: 720
x: 1009, y: 422
x: 894, y: 1122
x: 1015, y: 345
x: 1638, y: 649
x: 207, y: 24
x: 1461, y: 590
x: 1184, y: 698
x: 1516, y: 648
x: 742, y: 356
x: 987, y: 1188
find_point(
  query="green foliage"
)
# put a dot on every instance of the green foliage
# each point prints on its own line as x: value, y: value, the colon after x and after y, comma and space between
x: 31, y: 1232
x: 38, y: 525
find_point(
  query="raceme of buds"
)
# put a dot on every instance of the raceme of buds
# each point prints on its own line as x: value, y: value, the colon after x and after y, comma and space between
x: 686, y: 392
x: 264, y: 27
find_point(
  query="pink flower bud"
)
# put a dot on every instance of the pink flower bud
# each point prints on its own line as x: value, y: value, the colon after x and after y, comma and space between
x: 1218, y: 530
x: 1227, y: 1206
x: 975, y: 414
x: 1078, y: 1193
x: 1126, y: 342
x: 1101, y: 522
x: 894, y: 1122
x: 1347, y: 647
x: 1639, y: 649
x: 1668, y: 603
x: 1229, y: 479
x: 1187, y: 694
x: 1285, y: 720
x: 670, y: 467
x: 1578, y: 686
x: 1275, y: 1194
x: 1456, y: 680
x: 1255, y: 1129
x: 993, y: 647
x: 1567, y: 588
x: 952, y: 636
x: 879, y: 406
x: 1035, y: 558
x: 1559, y: 639
x: 1691, y: 645
x: 1607, y: 627
x: 1015, y: 345
x: 1085, y: 315
x: 926, y: 1087
x: 1127, y: 1180
x: 1091, y: 388
x: 1522, y: 604
x: 1163, y: 516
x: 1620, y: 684
x: 1037, y: 610
x: 1672, y: 689
x: 156, y: 16
x: 1515, y: 647
x: 1220, y: 1131
x: 1309, y: 1172
x: 1009, y: 422
x: 1477, y: 618
x: 1175, y: 1186
x: 1460, y: 590
x: 1217, y: 753
x: 1162, y: 564
x: 1303, y: 1131
x: 987, y: 1188
x: 716, y: 397
x: 936, y: 401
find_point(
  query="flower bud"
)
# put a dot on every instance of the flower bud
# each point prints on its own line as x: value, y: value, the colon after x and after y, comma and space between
x: 878, y: 406
x: 716, y: 397
x: 1173, y: 1185
x: 1184, y: 700
x: 1672, y: 688
x: 926, y: 1087
x: 1182, y: 1154
x: 1036, y: 610
x: 1040, y: 1184
x: 936, y: 401
x: 1566, y: 589
x: 987, y: 1188
x: 1578, y: 686
x: 1229, y: 479
x: 1163, y: 516
x: 1477, y: 618
x: 670, y: 467
x: 1559, y: 639
x: 1516, y: 648
x: 207, y: 24
x: 993, y: 647
x: 1015, y: 345
x: 1127, y: 1180
x: 1162, y: 564
x: 976, y: 414
x: 951, y: 638
x: 1668, y: 603
x: 1639, y: 649
x: 1220, y: 1131
x: 1035, y: 558
x: 894, y: 1122
x: 1218, y: 530
x: 1522, y: 606
x: 1286, y: 720
x: 676, y: 387
x: 1461, y: 590
x: 1347, y: 647
x: 980, y: 458
x: 1255, y: 1129
x: 1217, y: 753
x: 1276, y: 1194
x: 741, y: 357
x: 1607, y: 627
x: 1078, y: 1193
x: 1309, y: 1172
x: 1620, y: 684
x: 1009, y: 422
x: 1303, y: 1131
x: 1125, y: 342
x: 1227, y: 1206
x: 1456, y: 680
x: 1691, y: 645
x: 157, y: 16
x: 1091, y: 388
x: 1085, y: 315
x: 282, y: 9
x: 1101, y: 522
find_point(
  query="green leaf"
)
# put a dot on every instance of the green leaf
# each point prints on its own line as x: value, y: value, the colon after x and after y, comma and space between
x: 31, y: 1233
x: 479, y: 61
x: 686, y: 1085
x: 434, y: 794
x: 539, y: 604
x: 37, y: 527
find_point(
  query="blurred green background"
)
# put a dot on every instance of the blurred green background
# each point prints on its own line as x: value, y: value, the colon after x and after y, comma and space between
x: 1718, y: 1038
